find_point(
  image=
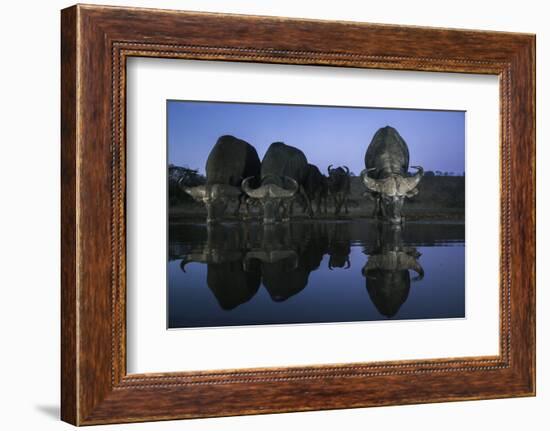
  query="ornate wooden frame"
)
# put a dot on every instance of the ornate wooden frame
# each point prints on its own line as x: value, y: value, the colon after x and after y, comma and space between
x: 95, y: 43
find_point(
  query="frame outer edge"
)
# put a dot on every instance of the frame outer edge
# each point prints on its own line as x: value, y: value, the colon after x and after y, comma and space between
x: 88, y: 397
x: 532, y: 83
x: 523, y: 217
x: 69, y: 201
x: 533, y: 54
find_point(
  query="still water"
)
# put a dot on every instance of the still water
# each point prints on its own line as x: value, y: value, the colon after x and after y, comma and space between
x: 313, y: 272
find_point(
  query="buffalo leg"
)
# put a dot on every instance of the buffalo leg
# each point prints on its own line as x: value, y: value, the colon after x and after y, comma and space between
x: 240, y: 200
x: 284, y: 207
x: 318, y: 201
x: 376, y: 207
x: 248, y: 205
x: 308, y: 202
x: 338, y: 204
x: 291, y: 207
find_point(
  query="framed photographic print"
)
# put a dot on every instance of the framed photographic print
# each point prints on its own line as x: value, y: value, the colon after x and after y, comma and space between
x: 322, y: 214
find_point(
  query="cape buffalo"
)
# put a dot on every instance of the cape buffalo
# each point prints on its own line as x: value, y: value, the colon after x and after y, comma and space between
x: 229, y: 162
x: 283, y: 172
x: 316, y: 188
x: 339, y: 187
x: 386, y: 175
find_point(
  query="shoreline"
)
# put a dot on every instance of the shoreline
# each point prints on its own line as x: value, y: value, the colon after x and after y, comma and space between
x: 452, y: 217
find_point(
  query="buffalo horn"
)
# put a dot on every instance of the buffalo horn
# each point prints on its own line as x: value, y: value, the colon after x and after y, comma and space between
x: 411, y: 182
x: 370, y: 183
x: 282, y: 193
x: 416, y: 267
x: 197, y: 192
x: 253, y: 193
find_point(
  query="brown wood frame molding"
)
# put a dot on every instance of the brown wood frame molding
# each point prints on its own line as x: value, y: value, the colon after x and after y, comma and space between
x: 95, y: 43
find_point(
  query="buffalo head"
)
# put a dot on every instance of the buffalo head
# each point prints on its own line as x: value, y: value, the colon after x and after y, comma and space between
x: 340, y: 170
x: 272, y: 195
x: 337, y: 176
x: 214, y: 196
x: 391, y: 192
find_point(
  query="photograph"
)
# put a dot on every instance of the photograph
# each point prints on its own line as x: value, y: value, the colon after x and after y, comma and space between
x: 304, y: 214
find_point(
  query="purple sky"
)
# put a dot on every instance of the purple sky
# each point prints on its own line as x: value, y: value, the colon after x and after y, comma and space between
x: 327, y: 135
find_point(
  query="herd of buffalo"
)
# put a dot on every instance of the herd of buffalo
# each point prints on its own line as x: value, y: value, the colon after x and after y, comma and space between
x: 235, y: 174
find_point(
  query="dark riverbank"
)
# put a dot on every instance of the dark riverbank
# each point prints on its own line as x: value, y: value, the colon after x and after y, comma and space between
x: 176, y: 217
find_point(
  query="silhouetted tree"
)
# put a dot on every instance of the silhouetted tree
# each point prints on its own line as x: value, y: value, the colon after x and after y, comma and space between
x: 189, y: 177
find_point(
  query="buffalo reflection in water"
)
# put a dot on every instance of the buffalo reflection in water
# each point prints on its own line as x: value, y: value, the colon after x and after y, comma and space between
x: 223, y: 254
x: 287, y: 256
x: 339, y: 246
x: 280, y: 256
x: 386, y: 272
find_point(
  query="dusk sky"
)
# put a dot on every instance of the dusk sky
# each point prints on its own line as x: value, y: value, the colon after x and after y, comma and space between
x: 327, y: 135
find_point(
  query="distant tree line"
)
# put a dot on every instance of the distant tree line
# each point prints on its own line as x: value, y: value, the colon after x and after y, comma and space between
x: 184, y: 176
x: 444, y: 174
x: 434, y: 174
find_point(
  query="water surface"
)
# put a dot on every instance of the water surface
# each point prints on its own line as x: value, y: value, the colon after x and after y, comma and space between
x: 313, y: 272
